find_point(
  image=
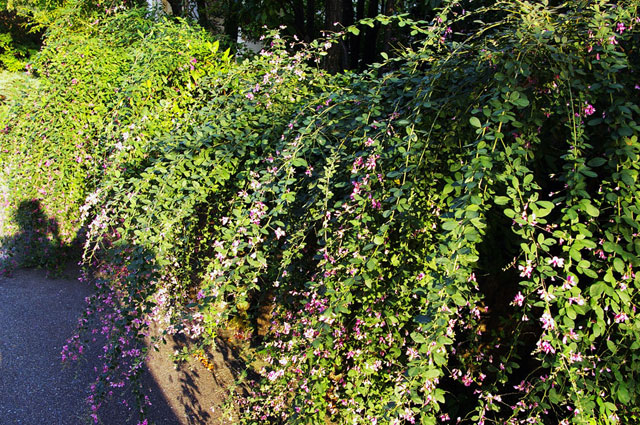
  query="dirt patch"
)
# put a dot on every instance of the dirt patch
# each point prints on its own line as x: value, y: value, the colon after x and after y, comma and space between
x: 197, y: 390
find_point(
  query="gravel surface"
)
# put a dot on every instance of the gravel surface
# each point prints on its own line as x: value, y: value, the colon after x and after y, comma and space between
x: 37, y: 315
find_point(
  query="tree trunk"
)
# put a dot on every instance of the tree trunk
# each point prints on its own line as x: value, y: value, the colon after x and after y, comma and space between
x: 176, y: 7
x: 354, y: 60
x: 311, y: 21
x: 389, y: 10
x: 333, y: 15
x: 370, y: 51
x: 298, y: 18
x: 348, y: 17
x: 231, y: 21
x: 203, y: 20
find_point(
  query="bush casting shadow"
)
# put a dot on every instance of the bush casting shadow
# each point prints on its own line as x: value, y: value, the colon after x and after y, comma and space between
x: 36, y: 243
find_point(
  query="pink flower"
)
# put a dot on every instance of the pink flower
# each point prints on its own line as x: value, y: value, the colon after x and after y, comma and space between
x: 620, y: 27
x: 518, y: 299
x: 556, y: 262
x: 577, y: 300
x: 412, y: 353
x: 589, y: 109
x: 356, y: 189
x: 571, y: 335
x: 575, y: 357
x: 545, y: 295
x: 547, y: 322
x: 621, y: 317
x: 525, y: 271
x: 546, y: 347
x: 356, y: 165
x: 467, y: 380
x: 371, y: 162
x: 279, y: 233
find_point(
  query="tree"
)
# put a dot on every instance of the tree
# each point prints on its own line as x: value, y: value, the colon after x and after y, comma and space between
x: 311, y: 19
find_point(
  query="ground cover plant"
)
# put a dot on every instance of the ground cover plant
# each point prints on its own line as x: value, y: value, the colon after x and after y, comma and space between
x: 448, y: 237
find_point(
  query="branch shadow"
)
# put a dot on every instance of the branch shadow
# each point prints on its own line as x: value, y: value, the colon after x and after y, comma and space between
x: 200, y: 388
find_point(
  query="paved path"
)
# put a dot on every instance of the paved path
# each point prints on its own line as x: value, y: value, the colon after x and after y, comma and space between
x: 37, y: 315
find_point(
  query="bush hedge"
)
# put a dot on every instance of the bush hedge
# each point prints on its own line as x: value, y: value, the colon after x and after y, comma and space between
x: 449, y: 237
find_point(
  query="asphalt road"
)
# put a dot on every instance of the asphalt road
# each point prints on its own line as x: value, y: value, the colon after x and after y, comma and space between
x: 37, y: 315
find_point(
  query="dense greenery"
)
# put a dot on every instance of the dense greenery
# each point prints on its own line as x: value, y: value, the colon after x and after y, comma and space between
x: 17, y: 41
x: 451, y: 234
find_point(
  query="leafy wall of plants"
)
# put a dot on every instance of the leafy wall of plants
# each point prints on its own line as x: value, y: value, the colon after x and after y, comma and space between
x: 18, y: 40
x: 449, y: 237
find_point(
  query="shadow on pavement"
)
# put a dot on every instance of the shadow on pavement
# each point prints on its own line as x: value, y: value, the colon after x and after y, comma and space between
x: 36, y: 243
x: 39, y: 314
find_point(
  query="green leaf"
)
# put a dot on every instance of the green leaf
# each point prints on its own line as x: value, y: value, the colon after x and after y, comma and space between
x: 418, y: 337
x: 474, y: 121
x: 501, y: 200
x: 623, y: 394
x: 432, y: 373
x: 596, y: 162
x: 299, y: 162
x: 522, y: 102
x: 459, y: 299
x: 596, y: 289
x: 415, y: 371
x: 449, y: 225
x: 372, y: 264
x: 618, y: 265
x: 354, y: 30
x: 591, y: 210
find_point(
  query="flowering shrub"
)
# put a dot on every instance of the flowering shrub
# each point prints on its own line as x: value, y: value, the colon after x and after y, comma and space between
x: 449, y: 237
